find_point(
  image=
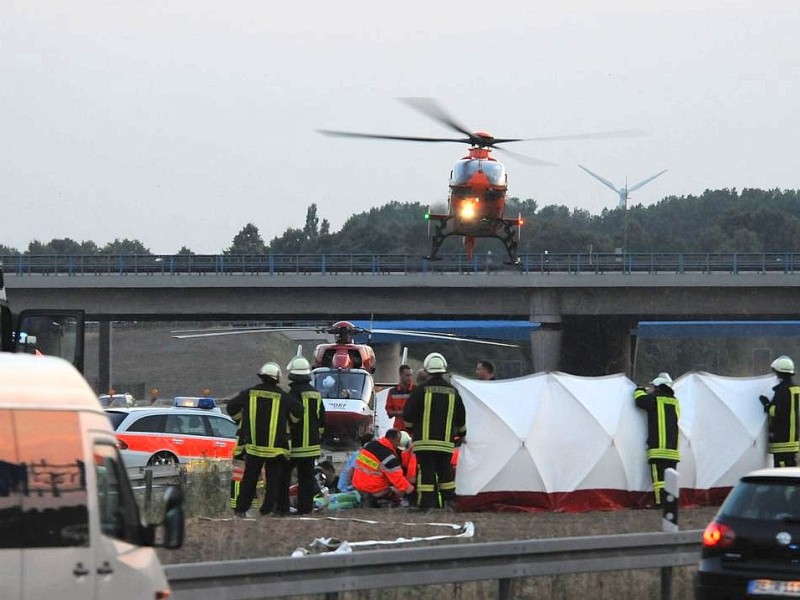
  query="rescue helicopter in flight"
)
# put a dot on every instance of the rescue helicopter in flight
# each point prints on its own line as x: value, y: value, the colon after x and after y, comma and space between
x: 342, y: 371
x: 478, y: 182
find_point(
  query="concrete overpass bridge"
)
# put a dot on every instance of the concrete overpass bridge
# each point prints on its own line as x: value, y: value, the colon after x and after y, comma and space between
x: 581, y: 314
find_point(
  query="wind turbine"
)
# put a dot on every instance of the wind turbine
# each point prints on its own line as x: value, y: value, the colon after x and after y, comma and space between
x: 624, y: 192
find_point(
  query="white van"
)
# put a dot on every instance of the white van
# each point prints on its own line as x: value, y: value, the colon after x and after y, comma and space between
x: 69, y: 523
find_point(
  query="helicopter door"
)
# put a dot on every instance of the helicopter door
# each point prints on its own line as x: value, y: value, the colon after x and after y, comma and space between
x: 54, y: 333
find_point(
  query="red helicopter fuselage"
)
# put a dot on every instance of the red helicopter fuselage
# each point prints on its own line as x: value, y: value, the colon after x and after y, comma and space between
x: 343, y: 375
x: 344, y: 353
x: 345, y: 356
x: 478, y: 186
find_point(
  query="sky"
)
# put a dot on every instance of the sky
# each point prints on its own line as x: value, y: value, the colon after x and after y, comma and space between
x: 177, y: 122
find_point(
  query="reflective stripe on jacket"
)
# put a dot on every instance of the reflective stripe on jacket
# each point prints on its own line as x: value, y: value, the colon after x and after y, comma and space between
x: 663, y: 412
x: 396, y: 400
x: 784, y: 411
x: 434, y: 414
x: 378, y: 468
x: 307, y: 435
x: 267, y: 412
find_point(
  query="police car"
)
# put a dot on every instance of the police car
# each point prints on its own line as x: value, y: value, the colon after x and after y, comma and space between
x: 162, y: 435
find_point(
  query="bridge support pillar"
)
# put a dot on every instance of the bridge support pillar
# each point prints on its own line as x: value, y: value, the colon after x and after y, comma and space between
x: 104, y: 358
x: 546, y: 341
x: 598, y: 345
x: 387, y: 362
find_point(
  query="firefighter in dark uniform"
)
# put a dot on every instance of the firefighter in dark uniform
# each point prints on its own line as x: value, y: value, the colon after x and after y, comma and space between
x: 267, y: 413
x: 238, y: 458
x: 238, y: 454
x: 307, y: 435
x: 658, y: 400
x: 434, y: 414
x: 783, y: 412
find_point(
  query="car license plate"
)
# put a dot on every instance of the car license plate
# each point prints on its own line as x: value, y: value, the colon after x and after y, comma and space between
x: 759, y: 587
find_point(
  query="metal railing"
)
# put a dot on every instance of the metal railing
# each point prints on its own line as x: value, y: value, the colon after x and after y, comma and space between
x: 377, y: 263
x: 331, y: 574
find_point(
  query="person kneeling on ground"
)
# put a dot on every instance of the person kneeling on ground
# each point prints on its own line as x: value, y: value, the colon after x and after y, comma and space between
x: 378, y: 474
x: 326, y: 477
x: 345, y: 483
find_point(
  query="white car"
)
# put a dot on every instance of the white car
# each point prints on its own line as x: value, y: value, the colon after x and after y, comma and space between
x: 116, y: 400
x: 150, y: 436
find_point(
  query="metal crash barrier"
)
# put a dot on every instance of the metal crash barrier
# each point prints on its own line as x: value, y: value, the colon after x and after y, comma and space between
x: 331, y: 574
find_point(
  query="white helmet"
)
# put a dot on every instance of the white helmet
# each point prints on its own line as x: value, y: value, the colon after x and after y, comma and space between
x: 662, y: 379
x: 435, y: 363
x: 783, y: 364
x: 298, y: 366
x: 271, y: 369
x: 405, y: 440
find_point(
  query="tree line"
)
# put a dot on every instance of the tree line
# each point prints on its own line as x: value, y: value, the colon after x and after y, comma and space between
x: 752, y: 220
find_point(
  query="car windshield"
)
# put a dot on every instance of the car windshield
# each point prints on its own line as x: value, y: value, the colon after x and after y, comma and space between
x: 773, y: 499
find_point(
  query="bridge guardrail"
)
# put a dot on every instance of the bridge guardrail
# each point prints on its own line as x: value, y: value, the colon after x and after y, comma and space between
x: 331, y: 574
x: 378, y: 263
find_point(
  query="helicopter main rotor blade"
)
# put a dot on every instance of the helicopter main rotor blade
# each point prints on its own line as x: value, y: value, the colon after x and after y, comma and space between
x: 201, y: 333
x: 598, y: 135
x: 443, y: 336
x: 188, y: 336
x: 434, y: 110
x: 378, y: 136
x: 524, y: 159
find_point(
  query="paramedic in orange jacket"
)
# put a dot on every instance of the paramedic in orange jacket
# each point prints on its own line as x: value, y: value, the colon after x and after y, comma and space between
x: 398, y: 395
x: 378, y: 472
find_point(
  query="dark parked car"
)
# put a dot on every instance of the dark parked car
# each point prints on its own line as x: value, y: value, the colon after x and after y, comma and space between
x: 752, y: 547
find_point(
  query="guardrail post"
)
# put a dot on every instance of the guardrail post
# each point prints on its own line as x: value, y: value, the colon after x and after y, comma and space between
x: 504, y: 589
x: 669, y: 524
x: 148, y: 486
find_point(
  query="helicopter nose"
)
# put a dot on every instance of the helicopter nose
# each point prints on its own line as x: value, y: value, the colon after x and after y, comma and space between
x: 479, y: 181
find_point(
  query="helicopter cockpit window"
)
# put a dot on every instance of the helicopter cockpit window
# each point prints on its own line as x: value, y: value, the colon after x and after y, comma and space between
x: 464, y: 169
x: 335, y: 384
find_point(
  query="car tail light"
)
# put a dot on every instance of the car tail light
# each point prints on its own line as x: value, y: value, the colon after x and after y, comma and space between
x: 718, y: 535
x: 122, y: 445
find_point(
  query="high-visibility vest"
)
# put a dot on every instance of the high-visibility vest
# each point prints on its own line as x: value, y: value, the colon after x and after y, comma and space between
x: 784, y: 411
x: 307, y: 434
x: 663, y: 412
x: 378, y: 468
x: 434, y: 414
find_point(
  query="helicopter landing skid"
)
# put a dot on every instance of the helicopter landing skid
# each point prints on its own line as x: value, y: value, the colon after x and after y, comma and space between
x: 509, y: 236
x: 438, y: 238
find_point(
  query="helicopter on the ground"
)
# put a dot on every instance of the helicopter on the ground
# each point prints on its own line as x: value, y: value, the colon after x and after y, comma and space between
x: 478, y: 182
x: 343, y: 372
